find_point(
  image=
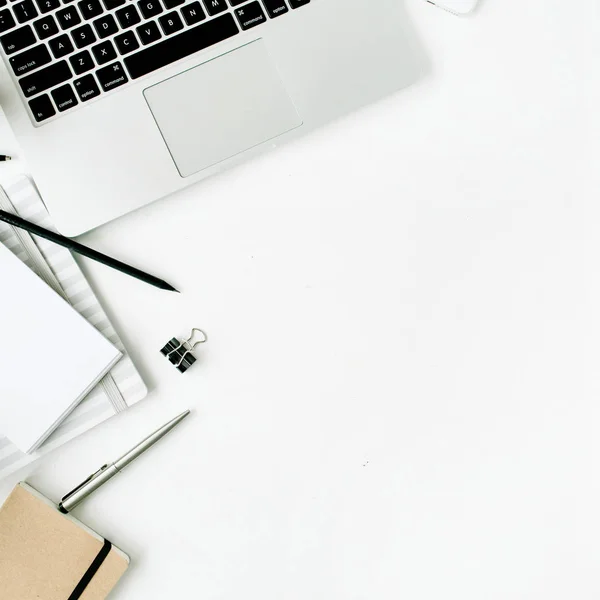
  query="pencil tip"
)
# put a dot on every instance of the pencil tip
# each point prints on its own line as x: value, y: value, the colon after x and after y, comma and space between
x: 169, y: 287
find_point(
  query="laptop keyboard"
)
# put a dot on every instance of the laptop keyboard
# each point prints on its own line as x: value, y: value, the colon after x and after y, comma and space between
x: 64, y: 53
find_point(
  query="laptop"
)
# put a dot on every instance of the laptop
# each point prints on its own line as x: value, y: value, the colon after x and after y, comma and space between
x: 117, y: 103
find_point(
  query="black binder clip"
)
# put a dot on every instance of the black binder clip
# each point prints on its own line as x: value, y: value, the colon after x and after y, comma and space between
x: 180, y: 353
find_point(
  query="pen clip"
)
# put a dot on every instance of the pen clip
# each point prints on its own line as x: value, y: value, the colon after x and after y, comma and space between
x: 90, y: 478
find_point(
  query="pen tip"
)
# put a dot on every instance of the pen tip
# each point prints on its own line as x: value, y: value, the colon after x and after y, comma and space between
x: 182, y: 416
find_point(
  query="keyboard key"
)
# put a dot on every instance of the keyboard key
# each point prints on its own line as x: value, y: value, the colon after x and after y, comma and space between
x: 150, y: 8
x: 86, y: 87
x: 25, y: 11
x: 275, y: 7
x: 148, y: 32
x: 298, y: 3
x: 90, y: 9
x: 30, y: 59
x: 42, y: 108
x: 187, y: 42
x: 237, y: 2
x: 64, y: 97
x: 214, y: 7
x: 6, y: 20
x: 47, y: 5
x: 18, y: 39
x: 68, y: 17
x: 170, y: 23
x: 45, y: 27
x: 250, y: 15
x: 83, y: 36
x: 193, y: 13
x: 104, y: 52
x: 82, y: 62
x: 110, y: 4
x: 46, y: 78
x: 172, y: 3
x: 112, y: 76
x: 128, y: 16
x: 3, y: 2
x: 127, y: 42
x: 61, y: 46
x: 105, y: 26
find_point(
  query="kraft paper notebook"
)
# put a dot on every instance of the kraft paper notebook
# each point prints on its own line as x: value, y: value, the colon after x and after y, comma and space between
x: 45, y: 555
x: 122, y: 387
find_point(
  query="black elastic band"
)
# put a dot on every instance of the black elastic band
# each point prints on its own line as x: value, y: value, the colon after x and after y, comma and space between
x: 92, y: 570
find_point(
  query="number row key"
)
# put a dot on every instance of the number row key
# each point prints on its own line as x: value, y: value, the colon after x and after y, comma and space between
x: 7, y: 21
x: 25, y: 11
x: 47, y: 5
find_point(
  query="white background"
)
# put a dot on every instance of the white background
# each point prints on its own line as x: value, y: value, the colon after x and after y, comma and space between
x: 399, y: 398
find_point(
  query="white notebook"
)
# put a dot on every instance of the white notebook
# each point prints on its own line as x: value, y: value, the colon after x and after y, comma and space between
x: 120, y: 389
x: 51, y: 356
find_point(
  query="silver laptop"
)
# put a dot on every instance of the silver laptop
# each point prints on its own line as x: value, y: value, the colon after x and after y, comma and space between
x: 117, y: 103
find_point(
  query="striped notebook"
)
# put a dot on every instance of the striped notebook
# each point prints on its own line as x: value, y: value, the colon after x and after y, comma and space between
x: 123, y: 386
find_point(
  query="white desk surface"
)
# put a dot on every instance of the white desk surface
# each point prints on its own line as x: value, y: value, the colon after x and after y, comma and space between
x: 400, y: 396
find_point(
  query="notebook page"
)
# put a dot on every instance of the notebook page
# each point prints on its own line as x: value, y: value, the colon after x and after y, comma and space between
x: 51, y: 357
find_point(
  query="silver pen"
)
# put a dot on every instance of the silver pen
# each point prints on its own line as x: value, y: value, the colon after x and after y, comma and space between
x: 108, y: 471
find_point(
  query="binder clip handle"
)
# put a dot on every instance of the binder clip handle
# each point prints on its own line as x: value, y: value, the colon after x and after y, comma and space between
x: 203, y: 338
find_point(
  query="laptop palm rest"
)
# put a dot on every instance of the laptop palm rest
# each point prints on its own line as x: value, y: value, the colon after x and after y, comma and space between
x: 221, y: 108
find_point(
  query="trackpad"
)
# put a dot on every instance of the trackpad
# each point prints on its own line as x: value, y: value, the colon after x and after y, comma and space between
x: 221, y: 108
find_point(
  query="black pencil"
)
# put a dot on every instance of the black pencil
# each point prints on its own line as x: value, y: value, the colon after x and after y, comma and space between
x: 84, y: 250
